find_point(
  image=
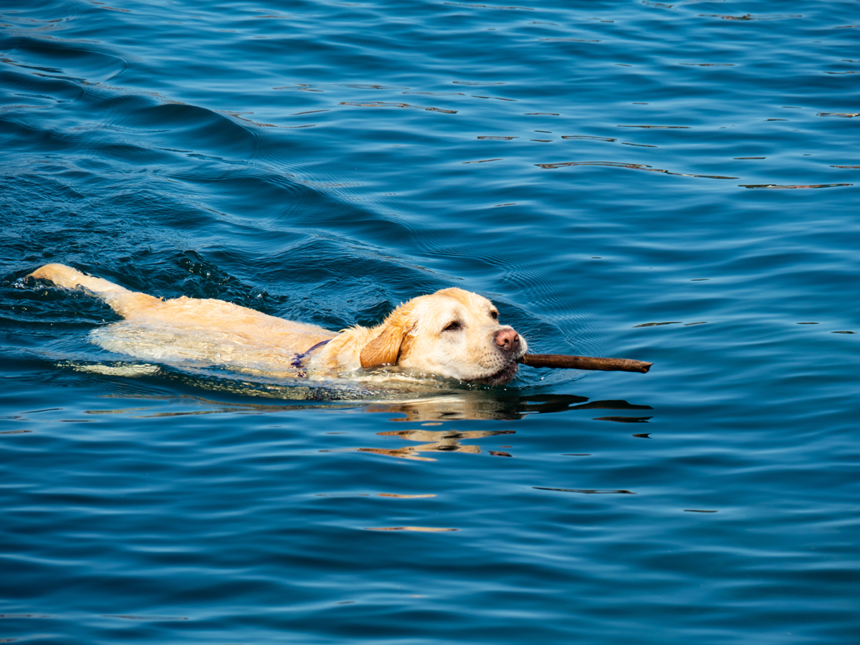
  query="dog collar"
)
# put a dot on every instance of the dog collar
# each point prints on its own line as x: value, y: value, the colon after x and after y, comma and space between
x: 299, y: 358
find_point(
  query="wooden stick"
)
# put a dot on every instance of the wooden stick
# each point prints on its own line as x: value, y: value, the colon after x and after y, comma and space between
x: 585, y: 363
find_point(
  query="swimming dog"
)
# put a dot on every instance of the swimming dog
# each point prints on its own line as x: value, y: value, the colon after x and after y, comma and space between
x: 451, y: 333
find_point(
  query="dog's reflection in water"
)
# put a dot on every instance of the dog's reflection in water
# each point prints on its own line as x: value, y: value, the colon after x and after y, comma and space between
x: 474, y: 405
x: 433, y: 441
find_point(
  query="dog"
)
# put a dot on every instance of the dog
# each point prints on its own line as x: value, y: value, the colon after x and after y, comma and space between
x: 451, y: 334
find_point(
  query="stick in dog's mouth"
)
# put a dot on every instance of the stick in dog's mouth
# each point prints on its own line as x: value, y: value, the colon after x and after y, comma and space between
x: 585, y: 363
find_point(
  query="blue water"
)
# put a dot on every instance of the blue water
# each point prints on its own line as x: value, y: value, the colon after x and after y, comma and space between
x: 594, y: 168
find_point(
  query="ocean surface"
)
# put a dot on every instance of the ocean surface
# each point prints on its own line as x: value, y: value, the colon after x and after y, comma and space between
x: 676, y: 182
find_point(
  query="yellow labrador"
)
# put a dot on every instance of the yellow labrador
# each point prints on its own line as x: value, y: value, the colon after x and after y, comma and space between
x: 452, y: 333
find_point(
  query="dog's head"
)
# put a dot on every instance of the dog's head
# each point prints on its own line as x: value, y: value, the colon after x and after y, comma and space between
x: 452, y: 333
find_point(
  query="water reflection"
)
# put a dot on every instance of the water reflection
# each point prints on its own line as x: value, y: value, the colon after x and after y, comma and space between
x: 433, y: 441
x: 487, y: 404
x: 424, y: 401
x: 467, y: 405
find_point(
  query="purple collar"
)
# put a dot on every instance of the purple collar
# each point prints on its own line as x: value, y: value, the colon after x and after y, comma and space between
x: 297, y: 361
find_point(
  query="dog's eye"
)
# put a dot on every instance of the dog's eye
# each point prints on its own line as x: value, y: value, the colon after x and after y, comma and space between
x: 494, y: 314
x: 453, y: 326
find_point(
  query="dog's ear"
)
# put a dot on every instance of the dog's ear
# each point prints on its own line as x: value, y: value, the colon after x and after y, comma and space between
x: 392, y: 341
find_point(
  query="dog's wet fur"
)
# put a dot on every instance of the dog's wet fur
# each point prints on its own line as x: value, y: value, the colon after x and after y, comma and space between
x: 451, y: 333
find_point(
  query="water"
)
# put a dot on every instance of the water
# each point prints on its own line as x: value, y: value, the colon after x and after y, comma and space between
x: 594, y: 168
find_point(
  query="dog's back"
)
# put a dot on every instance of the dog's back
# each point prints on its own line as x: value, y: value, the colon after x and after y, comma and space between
x: 202, y: 330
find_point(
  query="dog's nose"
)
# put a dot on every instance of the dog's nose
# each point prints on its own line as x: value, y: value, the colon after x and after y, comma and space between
x: 507, y: 339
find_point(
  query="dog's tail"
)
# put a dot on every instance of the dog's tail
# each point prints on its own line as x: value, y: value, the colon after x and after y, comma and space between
x: 121, y: 300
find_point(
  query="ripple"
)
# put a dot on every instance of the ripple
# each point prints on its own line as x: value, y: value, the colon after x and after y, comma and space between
x: 658, y: 324
x: 360, y: 86
x: 419, y: 529
x: 586, y: 491
x: 488, y: 6
x: 436, y: 93
x: 586, y: 136
x: 482, y: 160
x: 383, y: 104
x: 568, y: 40
x: 82, y: 61
x: 791, y: 186
x: 628, y: 166
x: 147, y: 618
x: 495, y: 98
